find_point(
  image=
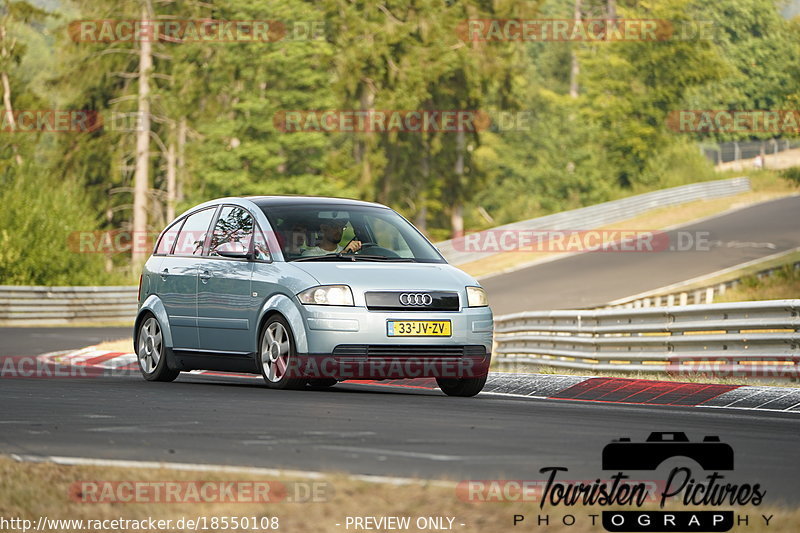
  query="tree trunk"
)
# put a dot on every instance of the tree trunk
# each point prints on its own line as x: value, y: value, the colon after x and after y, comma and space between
x: 457, y: 209
x: 171, y: 178
x: 388, y: 174
x: 575, y: 68
x: 421, y: 218
x: 181, y: 160
x: 142, y: 174
x: 612, y: 9
x: 367, y: 98
x: 5, y: 52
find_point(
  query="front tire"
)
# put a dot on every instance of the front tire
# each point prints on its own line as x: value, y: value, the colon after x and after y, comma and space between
x: 277, y: 355
x: 461, y: 387
x: 321, y: 383
x: 151, y: 353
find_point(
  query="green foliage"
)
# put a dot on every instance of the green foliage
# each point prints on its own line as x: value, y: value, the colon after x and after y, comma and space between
x: 609, y: 141
x: 39, y: 244
x: 792, y: 174
x: 676, y: 164
x: 631, y: 86
x: 552, y: 166
x: 760, y: 49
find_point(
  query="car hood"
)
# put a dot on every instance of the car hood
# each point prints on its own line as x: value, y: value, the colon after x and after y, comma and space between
x: 363, y: 276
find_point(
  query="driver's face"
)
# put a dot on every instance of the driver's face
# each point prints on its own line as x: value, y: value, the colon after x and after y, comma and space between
x: 333, y: 232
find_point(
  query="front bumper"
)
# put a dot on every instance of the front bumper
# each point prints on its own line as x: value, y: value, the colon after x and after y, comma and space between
x: 352, y: 343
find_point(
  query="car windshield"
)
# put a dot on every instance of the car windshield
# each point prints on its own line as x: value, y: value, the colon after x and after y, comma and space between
x: 334, y: 232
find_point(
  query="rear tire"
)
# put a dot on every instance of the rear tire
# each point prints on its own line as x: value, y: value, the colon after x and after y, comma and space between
x: 461, y: 387
x: 277, y: 355
x: 150, y: 351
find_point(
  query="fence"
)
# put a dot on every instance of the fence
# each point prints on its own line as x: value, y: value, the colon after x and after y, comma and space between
x: 62, y: 305
x: 738, y: 150
x: 746, y: 338
x: 601, y: 214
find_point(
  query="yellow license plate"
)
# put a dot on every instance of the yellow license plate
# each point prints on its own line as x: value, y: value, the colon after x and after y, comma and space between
x: 418, y: 328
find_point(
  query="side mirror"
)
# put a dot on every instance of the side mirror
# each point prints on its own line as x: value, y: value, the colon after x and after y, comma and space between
x: 232, y: 250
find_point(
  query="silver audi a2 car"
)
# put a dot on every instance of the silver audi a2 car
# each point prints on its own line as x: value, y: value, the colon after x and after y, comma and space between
x: 308, y: 291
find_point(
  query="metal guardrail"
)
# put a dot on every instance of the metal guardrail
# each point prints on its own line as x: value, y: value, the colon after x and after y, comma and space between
x: 61, y: 305
x: 698, y: 295
x: 599, y: 215
x: 745, y: 338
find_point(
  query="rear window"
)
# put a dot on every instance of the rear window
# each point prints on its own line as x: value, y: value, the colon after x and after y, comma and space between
x: 168, y: 237
x: 192, y: 236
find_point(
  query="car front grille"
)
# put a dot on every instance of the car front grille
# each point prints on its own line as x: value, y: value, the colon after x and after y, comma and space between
x: 391, y: 301
x: 407, y: 350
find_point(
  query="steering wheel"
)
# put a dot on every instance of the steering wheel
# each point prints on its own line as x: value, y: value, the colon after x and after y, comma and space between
x: 374, y: 249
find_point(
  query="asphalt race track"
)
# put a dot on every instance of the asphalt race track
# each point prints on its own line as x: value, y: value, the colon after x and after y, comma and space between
x: 381, y: 431
x: 359, y: 429
x: 593, y: 279
x: 38, y: 340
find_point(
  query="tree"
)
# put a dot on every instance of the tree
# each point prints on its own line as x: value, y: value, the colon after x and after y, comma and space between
x: 11, y: 53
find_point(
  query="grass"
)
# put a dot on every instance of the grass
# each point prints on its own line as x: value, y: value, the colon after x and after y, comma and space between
x: 783, y: 284
x: 766, y: 185
x: 31, y: 490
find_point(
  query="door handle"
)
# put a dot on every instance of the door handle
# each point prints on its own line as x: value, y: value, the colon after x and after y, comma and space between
x: 164, y: 274
x: 204, y: 276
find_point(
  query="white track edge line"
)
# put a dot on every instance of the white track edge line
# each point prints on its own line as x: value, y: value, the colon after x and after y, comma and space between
x: 200, y: 467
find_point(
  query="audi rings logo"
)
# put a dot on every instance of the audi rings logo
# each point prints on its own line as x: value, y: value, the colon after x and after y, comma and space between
x: 416, y: 298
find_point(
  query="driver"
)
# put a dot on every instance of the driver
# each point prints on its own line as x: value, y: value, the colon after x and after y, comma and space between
x: 331, y: 234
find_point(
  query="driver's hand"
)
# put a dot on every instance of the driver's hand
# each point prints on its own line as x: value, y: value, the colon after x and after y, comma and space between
x: 353, y: 247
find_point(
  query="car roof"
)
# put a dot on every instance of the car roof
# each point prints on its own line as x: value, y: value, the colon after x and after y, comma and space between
x: 274, y: 201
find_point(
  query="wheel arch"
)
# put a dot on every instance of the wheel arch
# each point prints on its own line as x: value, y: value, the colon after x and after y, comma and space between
x: 153, y: 305
x: 280, y: 304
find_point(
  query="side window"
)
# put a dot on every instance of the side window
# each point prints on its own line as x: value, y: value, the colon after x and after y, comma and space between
x: 168, y: 238
x: 193, y: 233
x: 233, y: 230
x: 260, y: 247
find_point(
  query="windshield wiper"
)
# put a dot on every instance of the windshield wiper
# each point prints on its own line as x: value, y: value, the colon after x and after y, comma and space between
x: 325, y: 257
x: 339, y: 256
x: 369, y: 257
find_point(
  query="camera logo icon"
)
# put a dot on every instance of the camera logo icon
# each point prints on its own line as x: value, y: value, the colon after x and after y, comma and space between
x: 710, y: 454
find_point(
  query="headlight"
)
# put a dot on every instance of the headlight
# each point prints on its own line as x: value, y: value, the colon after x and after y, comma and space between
x: 327, y: 295
x: 476, y: 297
